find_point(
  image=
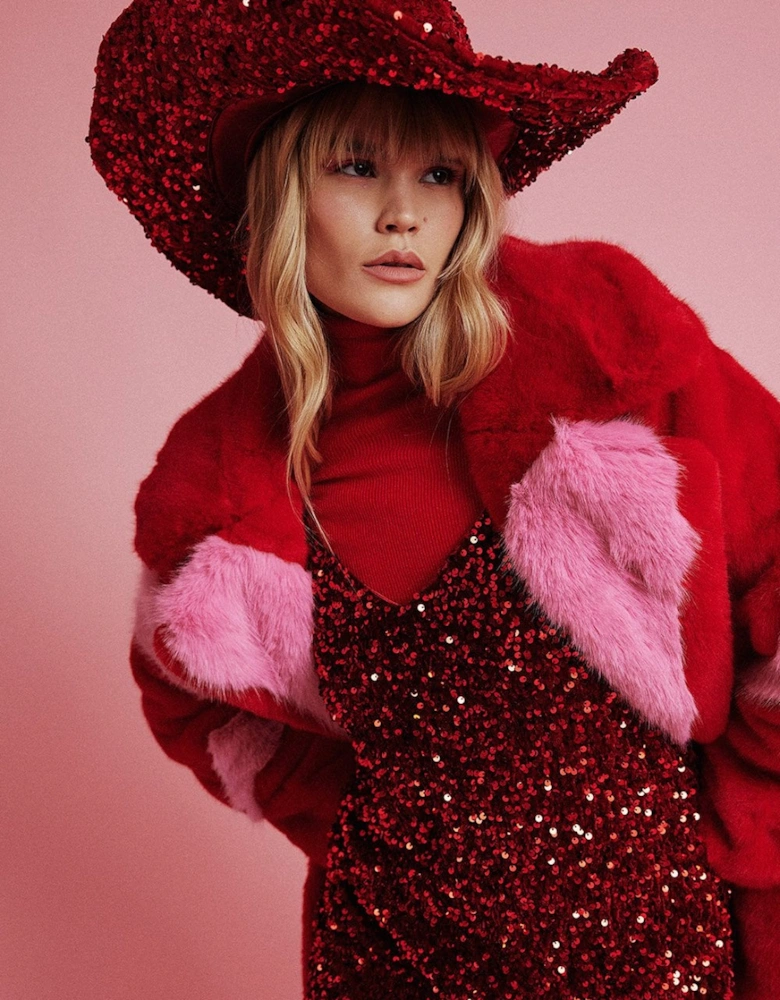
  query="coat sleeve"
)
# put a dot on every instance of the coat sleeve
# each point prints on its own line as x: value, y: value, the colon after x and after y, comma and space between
x: 221, y: 648
x: 264, y: 761
x: 739, y: 422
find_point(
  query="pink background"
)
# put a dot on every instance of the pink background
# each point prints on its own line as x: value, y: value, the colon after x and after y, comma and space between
x: 121, y: 878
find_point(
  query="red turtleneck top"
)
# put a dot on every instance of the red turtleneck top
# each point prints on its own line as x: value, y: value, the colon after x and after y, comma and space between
x: 393, y: 491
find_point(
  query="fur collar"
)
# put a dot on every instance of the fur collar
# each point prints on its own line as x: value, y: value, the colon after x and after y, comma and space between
x: 565, y: 444
x: 594, y: 336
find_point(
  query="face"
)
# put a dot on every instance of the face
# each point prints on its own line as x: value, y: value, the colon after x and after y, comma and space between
x: 364, y: 208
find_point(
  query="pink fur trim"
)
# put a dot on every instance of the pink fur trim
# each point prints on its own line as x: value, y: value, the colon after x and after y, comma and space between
x: 236, y: 619
x: 143, y: 631
x: 238, y: 751
x: 594, y: 531
x: 763, y: 683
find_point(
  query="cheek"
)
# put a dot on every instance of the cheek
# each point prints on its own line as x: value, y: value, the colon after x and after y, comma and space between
x: 330, y: 247
x: 452, y: 227
x: 459, y: 211
x: 333, y: 221
x: 319, y: 238
x: 326, y: 265
x: 317, y: 226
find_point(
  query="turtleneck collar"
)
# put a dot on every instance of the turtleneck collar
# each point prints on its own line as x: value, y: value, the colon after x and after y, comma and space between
x: 360, y: 352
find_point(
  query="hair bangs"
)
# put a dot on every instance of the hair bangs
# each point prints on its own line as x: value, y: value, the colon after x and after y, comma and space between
x: 368, y: 120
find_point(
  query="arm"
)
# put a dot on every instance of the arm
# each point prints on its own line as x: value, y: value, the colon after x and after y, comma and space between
x: 739, y: 422
x: 265, y: 767
x: 222, y: 643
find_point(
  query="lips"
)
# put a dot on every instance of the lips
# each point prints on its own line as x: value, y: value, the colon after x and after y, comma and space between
x: 398, y: 258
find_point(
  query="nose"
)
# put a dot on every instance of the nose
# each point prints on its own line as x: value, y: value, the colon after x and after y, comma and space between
x: 399, y: 211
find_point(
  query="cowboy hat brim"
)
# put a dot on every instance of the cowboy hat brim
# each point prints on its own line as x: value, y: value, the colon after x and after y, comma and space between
x: 184, y: 88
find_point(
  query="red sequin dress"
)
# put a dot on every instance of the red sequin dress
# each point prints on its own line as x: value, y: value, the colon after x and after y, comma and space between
x: 513, y: 830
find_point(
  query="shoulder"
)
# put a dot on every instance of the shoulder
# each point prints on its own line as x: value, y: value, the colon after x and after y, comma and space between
x: 561, y: 272
x: 218, y: 459
x: 596, y: 310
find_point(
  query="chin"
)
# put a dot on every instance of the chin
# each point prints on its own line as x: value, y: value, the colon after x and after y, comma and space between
x: 393, y: 318
x: 390, y: 323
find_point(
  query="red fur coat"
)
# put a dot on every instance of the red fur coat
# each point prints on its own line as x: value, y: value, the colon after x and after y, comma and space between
x: 613, y: 426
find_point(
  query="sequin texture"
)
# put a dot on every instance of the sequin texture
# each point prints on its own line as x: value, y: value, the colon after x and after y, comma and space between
x: 513, y: 830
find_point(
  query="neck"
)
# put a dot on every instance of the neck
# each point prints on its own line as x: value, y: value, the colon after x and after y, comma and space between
x: 361, y: 352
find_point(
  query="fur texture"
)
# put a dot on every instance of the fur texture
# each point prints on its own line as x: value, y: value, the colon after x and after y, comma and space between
x: 762, y: 685
x: 238, y: 619
x: 239, y: 750
x: 145, y: 627
x: 595, y: 337
x: 707, y: 635
x: 594, y: 530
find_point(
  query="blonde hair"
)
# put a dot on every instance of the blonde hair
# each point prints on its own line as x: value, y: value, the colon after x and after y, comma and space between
x: 462, y: 333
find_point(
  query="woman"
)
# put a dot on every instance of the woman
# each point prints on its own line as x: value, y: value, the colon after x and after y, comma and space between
x: 468, y: 580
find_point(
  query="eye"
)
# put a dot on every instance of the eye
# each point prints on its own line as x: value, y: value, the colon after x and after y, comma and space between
x: 443, y: 175
x: 361, y: 168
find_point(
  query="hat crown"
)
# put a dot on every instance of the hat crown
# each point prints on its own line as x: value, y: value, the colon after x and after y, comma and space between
x: 440, y: 14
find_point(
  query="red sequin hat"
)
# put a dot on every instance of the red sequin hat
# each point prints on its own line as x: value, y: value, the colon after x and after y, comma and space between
x: 185, y: 86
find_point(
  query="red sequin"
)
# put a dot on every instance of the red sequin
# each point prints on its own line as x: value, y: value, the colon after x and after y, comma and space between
x: 514, y: 830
